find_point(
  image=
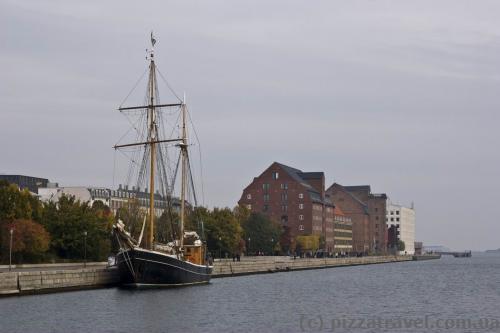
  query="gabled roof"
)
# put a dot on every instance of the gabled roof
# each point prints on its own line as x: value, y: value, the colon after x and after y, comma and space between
x: 312, y: 175
x: 296, y: 175
x: 343, y: 189
x: 365, y: 188
x: 302, y: 178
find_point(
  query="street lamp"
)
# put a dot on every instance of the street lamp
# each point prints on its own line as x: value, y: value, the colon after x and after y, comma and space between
x: 10, y: 249
x: 248, y: 247
x: 220, y: 247
x: 272, y: 246
x: 85, y: 249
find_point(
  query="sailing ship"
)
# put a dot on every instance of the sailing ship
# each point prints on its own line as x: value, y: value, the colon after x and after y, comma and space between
x: 145, y: 261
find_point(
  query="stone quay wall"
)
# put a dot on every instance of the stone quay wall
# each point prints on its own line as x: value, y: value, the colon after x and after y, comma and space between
x: 33, y: 282
x: 227, y: 268
x: 41, y: 279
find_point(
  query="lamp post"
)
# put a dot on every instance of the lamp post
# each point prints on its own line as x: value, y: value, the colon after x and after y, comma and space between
x: 248, y: 247
x: 220, y: 247
x: 272, y: 246
x: 85, y: 249
x: 10, y: 249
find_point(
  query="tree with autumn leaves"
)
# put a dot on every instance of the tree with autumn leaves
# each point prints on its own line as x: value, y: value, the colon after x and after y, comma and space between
x: 51, y: 231
x: 19, y: 211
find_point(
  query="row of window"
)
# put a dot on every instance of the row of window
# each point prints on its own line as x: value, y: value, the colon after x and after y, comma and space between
x: 284, y: 196
x: 142, y: 202
x: 343, y: 226
x: 392, y: 212
x: 342, y: 218
x: 342, y: 242
x: 392, y: 219
x: 343, y: 234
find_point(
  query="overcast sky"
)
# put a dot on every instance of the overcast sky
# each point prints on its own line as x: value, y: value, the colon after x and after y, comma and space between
x: 401, y: 95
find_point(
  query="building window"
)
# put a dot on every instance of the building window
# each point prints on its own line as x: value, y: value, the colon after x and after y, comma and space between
x: 301, y: 206
x: 301, y: 195
x: 376, y: 217
x: 249, y: 196
x: 266, y: 197
x: 284, y: 208
x: 301, y: 217
x: 301, y: 227
x: 284, y: 186
x: 397, y: 219
x: 275, y: 175
x: 397, y: 212
x: 266, y: 208
x: 284, y: 219
x: 392, y: 212
x: 265, y: 187
x: 249, y: 207
x: 392, y: 219
x: 284, y: 197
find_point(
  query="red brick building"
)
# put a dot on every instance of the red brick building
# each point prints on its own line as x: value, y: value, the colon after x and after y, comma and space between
x: 367, y: 211
x: 294, y: 198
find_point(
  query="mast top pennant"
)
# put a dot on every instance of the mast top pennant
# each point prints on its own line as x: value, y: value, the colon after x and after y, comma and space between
x: 153, y: 39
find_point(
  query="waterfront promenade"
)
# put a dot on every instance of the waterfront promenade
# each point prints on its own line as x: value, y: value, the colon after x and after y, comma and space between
x: 32, y: 279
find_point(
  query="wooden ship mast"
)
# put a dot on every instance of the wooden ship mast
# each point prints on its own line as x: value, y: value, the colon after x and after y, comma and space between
x: 151, y: 143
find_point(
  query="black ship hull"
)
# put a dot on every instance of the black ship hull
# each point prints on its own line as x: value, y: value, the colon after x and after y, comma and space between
x: 145, y: 268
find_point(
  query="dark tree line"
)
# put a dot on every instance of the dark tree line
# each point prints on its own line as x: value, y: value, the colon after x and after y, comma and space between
x: 57, y: 231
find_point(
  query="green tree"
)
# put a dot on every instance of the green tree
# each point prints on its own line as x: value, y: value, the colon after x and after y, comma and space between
x: 168, y: 227
x: 30, y: 241
x: 68, y: 219
x: 401, y: 245
x: 263, y: 232
x: 16, y: 204
x: 132, y: 216
x: 222, y: 230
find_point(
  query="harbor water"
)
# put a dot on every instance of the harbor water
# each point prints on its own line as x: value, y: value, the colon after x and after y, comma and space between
x: 445, y: 295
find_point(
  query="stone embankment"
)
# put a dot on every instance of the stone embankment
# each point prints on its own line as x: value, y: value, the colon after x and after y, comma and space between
x: 262, y: 265
x: 43, y: 281
x: 32, y: 279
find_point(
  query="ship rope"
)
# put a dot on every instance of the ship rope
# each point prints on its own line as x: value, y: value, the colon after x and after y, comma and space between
x: 126, y: 257
x: 168, y: 85
x: 200, y: 158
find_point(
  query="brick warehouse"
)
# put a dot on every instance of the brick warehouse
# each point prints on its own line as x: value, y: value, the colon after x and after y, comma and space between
x: 294, y: 198
x: 367, y: 211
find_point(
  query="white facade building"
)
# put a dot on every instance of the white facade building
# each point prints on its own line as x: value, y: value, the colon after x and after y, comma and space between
x: 404, y: 219
x: 114, y: 199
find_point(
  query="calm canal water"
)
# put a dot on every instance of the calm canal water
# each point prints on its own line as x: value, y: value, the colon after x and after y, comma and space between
x: 442, y: 295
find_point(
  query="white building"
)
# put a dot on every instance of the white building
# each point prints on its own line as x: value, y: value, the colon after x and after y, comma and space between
x: 114, y: 199
x: 404, y: 220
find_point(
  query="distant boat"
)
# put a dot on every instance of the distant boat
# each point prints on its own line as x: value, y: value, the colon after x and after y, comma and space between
x: 145, y: 262
x: 465, y: 254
